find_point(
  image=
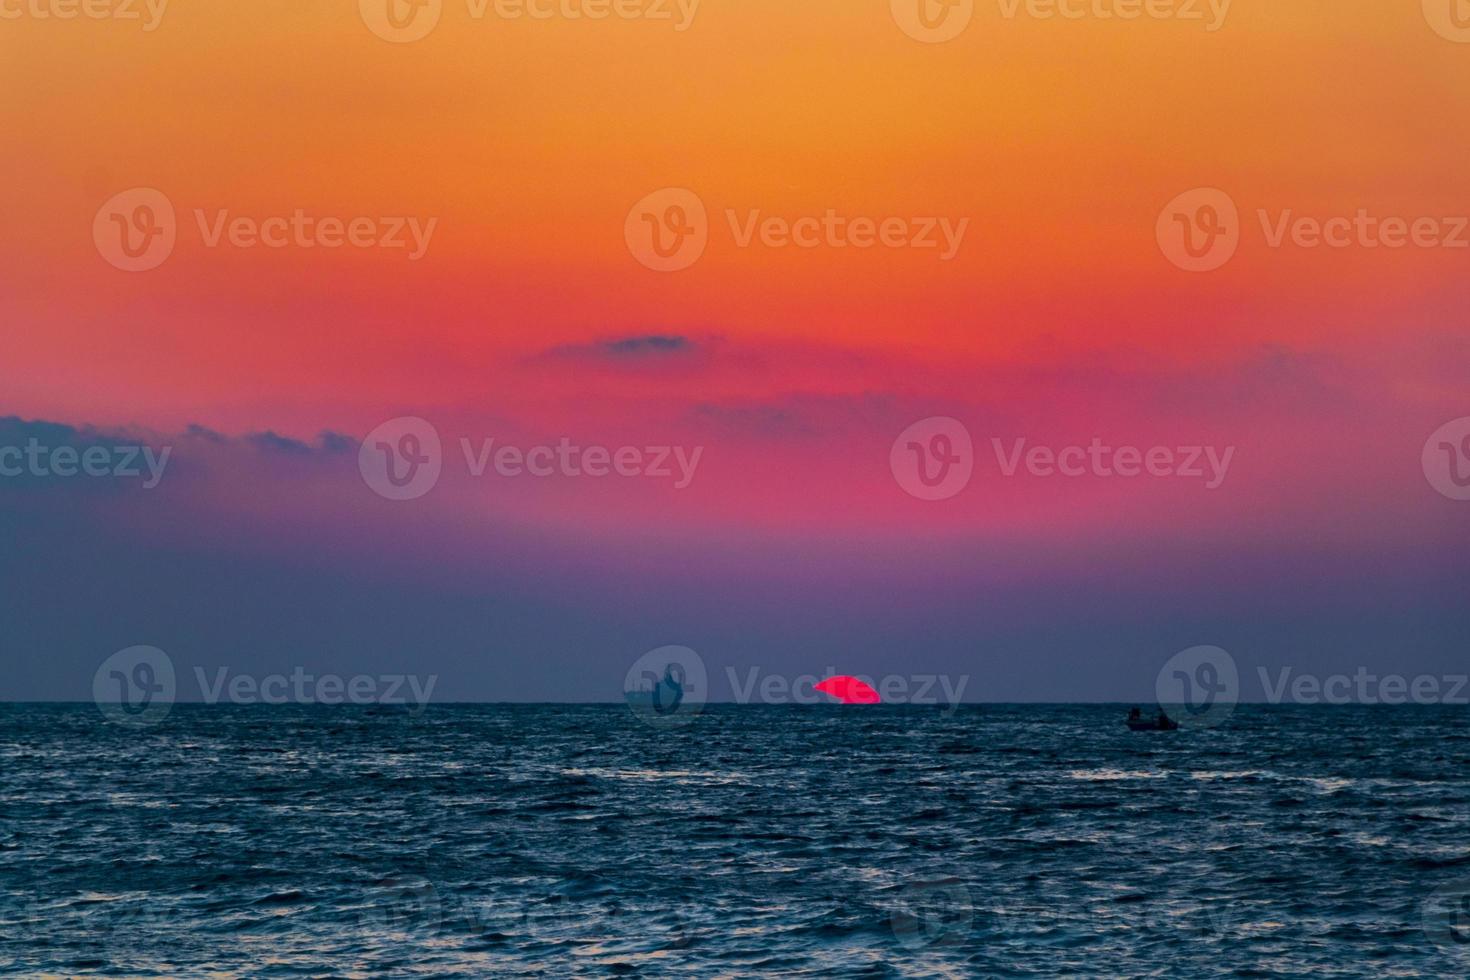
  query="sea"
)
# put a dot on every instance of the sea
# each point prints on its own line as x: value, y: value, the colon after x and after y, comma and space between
x: 779, y: 840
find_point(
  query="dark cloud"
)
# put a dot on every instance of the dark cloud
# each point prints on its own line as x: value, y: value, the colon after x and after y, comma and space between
x: 327, y: 444
x: 30, y: 464
x: 644, y: 348
x: 335, y: 442
x: 193, y: 431
x: 40, y: 457
x: 16, y: 431
x: 649, y: 344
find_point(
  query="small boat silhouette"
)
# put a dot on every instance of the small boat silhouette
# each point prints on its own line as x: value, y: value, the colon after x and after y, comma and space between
x: 1163, y: 723
x: 663, y: 696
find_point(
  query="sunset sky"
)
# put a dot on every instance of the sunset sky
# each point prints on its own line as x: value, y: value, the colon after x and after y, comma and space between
x: 529, y: 319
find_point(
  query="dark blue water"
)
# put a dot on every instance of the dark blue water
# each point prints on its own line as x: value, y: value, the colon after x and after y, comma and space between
x: 562, y: 841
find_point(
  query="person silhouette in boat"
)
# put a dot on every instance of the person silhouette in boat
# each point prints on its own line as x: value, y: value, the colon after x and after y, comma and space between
x: 1135, y: 714
x: 1163, y: 719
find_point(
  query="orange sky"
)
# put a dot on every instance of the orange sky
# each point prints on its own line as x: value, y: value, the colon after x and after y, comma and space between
x: 530, y: 318
x: 1058, y: 140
